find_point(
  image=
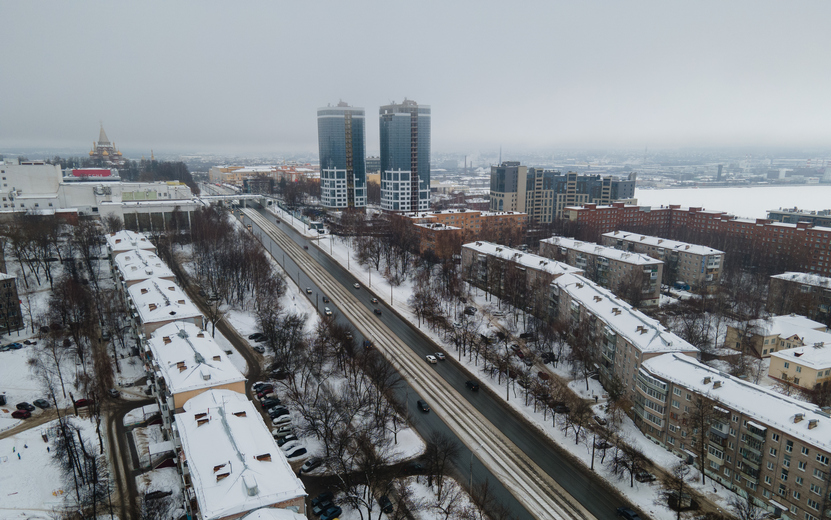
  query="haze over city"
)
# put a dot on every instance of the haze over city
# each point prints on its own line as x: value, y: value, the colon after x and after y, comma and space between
x: 247, y: 78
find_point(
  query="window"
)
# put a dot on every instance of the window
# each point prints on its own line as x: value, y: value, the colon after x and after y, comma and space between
x: 770, y: 465
x: 676, y: 391
x: 816, y: 489
x: 675, y: 404
x: 822, y: 459
x: 801, y: 465
x: 796, y: 495
x: 768, y: 479
x: 798, y: 368
x: 812, y: 504
x: 798, y: 481
x: 787, y: 365
x: 789, y: 446
x: 805, y: 450
x: 819, y: 474
x: 727, y: 472
x: 784, y: 475
x: 783, y: 491
x: 773, y: 452
x: 689, y: 397
x: 774, y: 437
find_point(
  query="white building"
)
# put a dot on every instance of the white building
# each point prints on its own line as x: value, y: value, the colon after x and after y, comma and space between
x: 396, y: 192
x: 138, y: 265
x: 125, y: 240
x: 157, y: 302
x: 229, y: 461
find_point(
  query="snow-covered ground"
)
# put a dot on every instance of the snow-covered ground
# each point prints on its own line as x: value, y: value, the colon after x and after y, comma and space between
x: 31, y: 485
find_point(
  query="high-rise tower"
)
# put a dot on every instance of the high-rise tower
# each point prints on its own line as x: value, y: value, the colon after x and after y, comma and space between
x: 405, y: 156
x: 342, y: 142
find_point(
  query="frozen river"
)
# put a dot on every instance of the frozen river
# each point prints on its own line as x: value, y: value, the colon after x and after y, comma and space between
x: 742, y: 202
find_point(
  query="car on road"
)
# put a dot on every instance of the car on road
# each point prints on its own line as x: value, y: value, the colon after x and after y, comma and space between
x: 21, y: 414
x: 327, y: 311
x: 256, y: 336
x: 473, y: 385
x: 312, y: 463
x: 374, y: 300
x: 377, y: 311
x: 627, y: 513
x: 600, y: 420
x: 331, y: 513
x: 305, y: 247
x: 325, y: 299
x: 385, y: 504
x: 348, y: 335
x: 258, y: 348
x: 323, y: 497
x: 440, y: 356
x: 431, y: 359
x: 41, y: 403
x: 308, y: 290
x: 356, y: 285
x: 81, y: 403
x: 299, y: 452
x: 114, y: 393
x: 25, y: 406
x: 422, y: 405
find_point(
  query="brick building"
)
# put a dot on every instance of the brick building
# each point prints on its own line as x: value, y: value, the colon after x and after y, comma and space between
x: 633, y: 276
x: 10, y: 317
x: 763, y: 337
x: 801, y: 293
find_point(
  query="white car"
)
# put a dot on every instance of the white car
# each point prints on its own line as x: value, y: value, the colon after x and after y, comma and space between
x: 290, y: 446
x: 432, y: 359
x: 356, y: 286
x: 283, y: 420
x: 439, y: 356
x: 327, y: 311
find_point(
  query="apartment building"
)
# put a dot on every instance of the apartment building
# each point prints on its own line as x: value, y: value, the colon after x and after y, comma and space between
x: 182, y: 361
x: 622, y: 337
x: 758, y: 442
x: 442, y: 239
x: 504, y: 271
x: 229, y: 462
x: 699, y: 266
x: 135, y: 266
x: 10, y: 317
x: 806, y: 367
x: 635, y: 277
x: 156, y: 302
x: 124, y: 240
x: 808, y: 294
x: 474, y: 223
x: 795, y: 215
x: 764, y: 337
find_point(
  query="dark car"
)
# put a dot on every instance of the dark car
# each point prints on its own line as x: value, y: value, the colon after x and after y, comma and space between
x: 331, y: 513
x: 259, y: 349
x: 259, y: 384
x: 422, y: 406
x: 415, y: 467
x: 16, y: 346
x: 377, y: 311
x: 278, y: 411
x: 600, y: 420
x: 308, y: 290
x: 645, y: 476
x: 41, y: 403
x: 296, y: 453
x: 286, y: 439
x: 2, y: 399
x: 627, y: 513
x: 21, y: 414
x: 256, y: 336
x: 4, y: 348
x: 470, y: 311
x: 311, y: 464
x: 323, y: 497
x: 325, y: 299
x: 561, y: 408
x: 25, y: 406
x: 81, y: 403
x: 321, y: 507
x: 385, y: 504
x: 473, y: 385
x: 305, y: 247
x: 271, y: 402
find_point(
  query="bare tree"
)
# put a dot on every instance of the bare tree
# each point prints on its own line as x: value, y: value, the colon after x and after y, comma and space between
x: 441, y: 453
x: 675, y: 486
x: 745, y: 508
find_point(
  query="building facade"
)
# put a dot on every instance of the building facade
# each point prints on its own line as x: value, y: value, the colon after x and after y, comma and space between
x: 508, y: 187
x: 764, y: 337
x: 10, y: 317
x: 405, y: 156
x: 698, y: 266
x: 634, y: 277
x: 795, y: 215
x: 801, y: 293
x: 342, y: 144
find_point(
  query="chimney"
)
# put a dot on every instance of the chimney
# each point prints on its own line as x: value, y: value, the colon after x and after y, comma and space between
x: 798, y: 417
x: 717, y: 384
x: 813, y: 423
x: 707, y: 380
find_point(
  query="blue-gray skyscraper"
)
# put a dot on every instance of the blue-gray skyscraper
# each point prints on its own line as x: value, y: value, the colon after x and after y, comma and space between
x: 341, y: 137
x: 405, y: 156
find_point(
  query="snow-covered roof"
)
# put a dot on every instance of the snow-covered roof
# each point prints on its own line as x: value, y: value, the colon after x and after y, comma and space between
x: 437, y: 226
x: 539, y: 263
x: 4, y: 276
x: 235, y: 465
x: 789, y: 325
x: 762, y: 405
x: 158, y: 299
x: 805, y: 279
x: 606, y: 252
x: 815, y: 355
x: 643, y: 332
x: 141, y: 264
x: 271, y: 513
x: 664, y: 243
x: 128, y: 240
x: 189, y: 359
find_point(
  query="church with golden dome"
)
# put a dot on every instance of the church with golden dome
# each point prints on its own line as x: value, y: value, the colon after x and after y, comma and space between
x: 105, y: 151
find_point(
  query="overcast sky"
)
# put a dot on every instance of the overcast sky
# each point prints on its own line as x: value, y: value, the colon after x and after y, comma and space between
x: 248, y: 76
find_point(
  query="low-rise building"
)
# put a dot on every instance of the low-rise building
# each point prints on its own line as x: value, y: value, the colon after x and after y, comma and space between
x: 124, y: 240
x: 229, y: 462
x: 10, y: 317
x: 763, y: 337
x: 474, y: 222
x: 135, y: 266
x: 182, y: 361
x: 635, y: 277
x: 157, y: 302
x: 620, y: 336
x: 698, y: 266
x: 758, y: 442
x: 443, y: 240
x: 807, y: 367
x: 801, y: 293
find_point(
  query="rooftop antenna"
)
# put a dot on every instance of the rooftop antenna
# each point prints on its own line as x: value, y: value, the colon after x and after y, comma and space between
x: 500, y: 155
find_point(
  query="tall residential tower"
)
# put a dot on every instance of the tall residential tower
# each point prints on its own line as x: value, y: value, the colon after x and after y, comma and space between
x: 342, y: 142
x: 405, y: 156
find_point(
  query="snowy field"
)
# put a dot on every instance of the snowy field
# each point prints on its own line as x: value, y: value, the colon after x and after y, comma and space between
x: 31, y: 485
x: 742, y: 202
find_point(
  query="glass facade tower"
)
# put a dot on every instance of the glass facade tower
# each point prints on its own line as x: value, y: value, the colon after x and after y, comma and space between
x: 342, y: 143
x: 405, y: 156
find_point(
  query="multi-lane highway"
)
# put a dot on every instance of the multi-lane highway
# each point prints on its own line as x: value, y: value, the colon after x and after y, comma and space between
x: 519, y: 456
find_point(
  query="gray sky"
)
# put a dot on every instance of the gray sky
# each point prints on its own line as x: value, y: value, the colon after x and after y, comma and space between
x: 249, y: 76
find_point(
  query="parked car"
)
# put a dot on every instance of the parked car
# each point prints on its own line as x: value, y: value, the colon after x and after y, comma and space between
x: 21, y: 414
x: 348, y: 335
x: 645, y: 476
x: 256, y: 336
x: 81, y: 403
x: 323, y: 497
x: 260, y: 384
x: 331, y: 513
x: 561, y: 408
x: 265, y: 389
x: 327, y: 311
x: 16, y: 346
x: 544, y: 376
x: 4, y: 348
x: 422, y: 405
x: 288, y: 438
x: 291, y: 446
x: 470, y: 311
x: 356, y: 285
x: 299, y: 452
x: 600, y: 420
x: 321, y: 507
x: 258, y: 348
x: 311, y: 464
x: 377, y: 311
x: 385, y: 504
x: 627, y: 513
x: 114, y: 393
x: 431, y: 359
x: 271, y: 402
x: 25, y: 406
x: 278, y: 411
x: 473, y: 385
x: 2, y: 399
x: 282, y: 432
x: 283, y: 420
x: 439, y: 356
x: 374, y: 300
x: 308, y: 290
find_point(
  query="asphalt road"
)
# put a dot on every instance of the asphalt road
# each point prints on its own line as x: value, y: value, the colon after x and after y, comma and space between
x: 591, y: 491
